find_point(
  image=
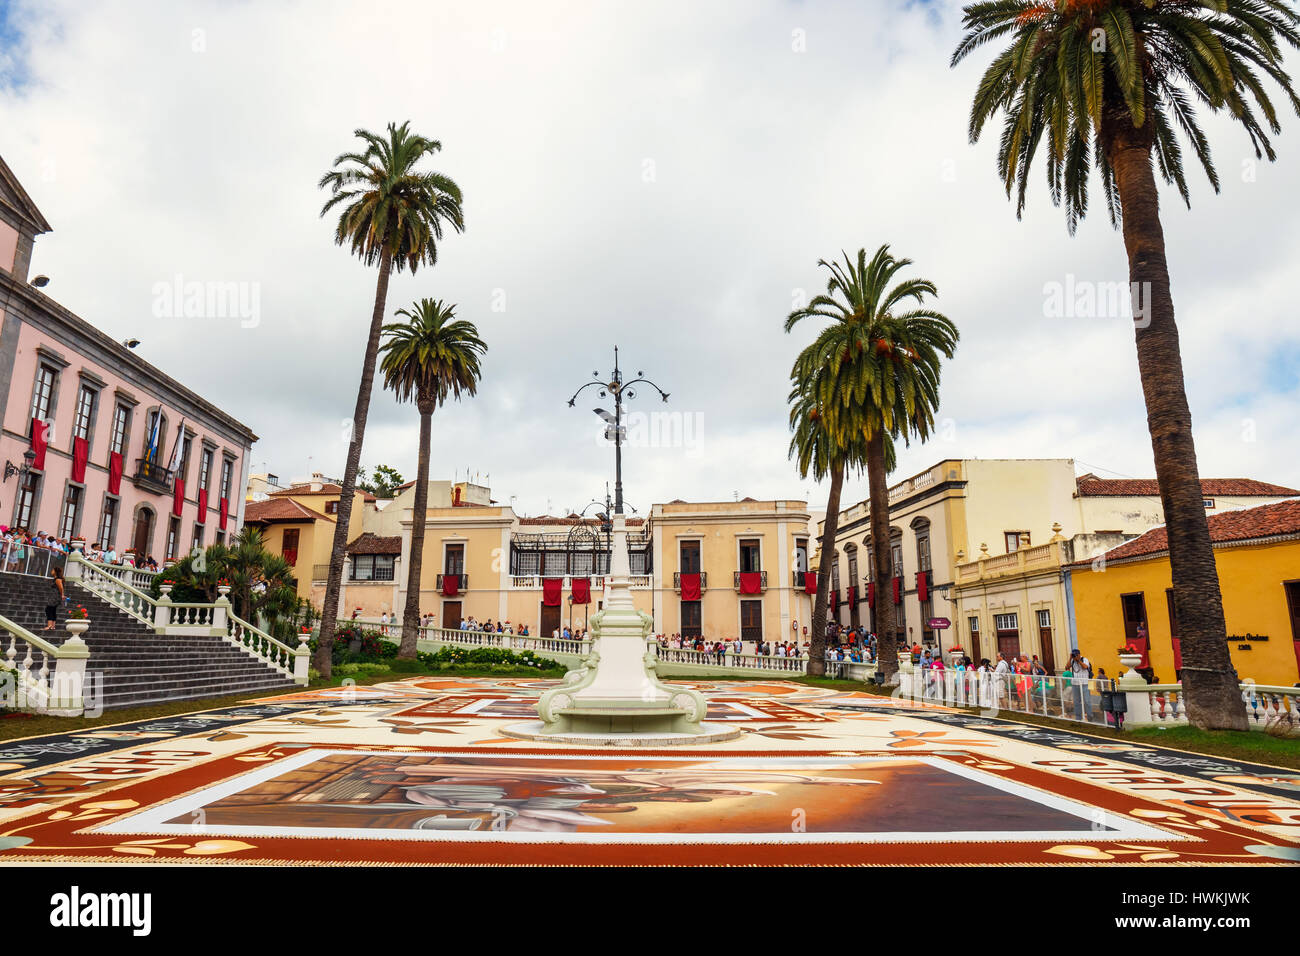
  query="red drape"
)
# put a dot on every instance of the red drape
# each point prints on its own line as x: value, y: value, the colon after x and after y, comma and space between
x: 225, y: 512
x: 810, y: 582
x: 871, y: 594
x: 581, y: 590
x: 551, y: 588
x: 115, y: 473
x: 690, y: 587
x: 853, y: 596
x: 178, y: 496
x: 1297, y: 655
x: 922, y: 585
x: 39, y: 442
x: 835, y: 600
x: 898, y: 590
x: 1178, y: 654
x: 80, y: 454
x: 450, y: 582
x: 203, y: 506
x: 751, y: 582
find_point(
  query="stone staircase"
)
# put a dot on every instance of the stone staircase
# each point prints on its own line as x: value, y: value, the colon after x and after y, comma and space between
x: 135, y: 665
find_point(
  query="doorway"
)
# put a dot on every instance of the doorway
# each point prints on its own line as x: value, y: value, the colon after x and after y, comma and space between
x: 751, y: 621
x: 142, y: 536
x: 550, y: 620
x: 1134, y: 607
x: 451, y: 615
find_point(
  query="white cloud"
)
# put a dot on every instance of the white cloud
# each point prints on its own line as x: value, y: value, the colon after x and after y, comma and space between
x: 153, y: 159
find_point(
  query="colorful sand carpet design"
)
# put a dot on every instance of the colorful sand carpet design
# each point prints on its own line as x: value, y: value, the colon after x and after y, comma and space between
x: 415, y: 772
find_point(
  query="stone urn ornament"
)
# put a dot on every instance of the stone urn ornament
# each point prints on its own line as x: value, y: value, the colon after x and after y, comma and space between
x: 1131, y: 661
x: 78, y: 622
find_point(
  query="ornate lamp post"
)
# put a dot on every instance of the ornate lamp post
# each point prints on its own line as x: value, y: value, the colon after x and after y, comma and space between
x: 619, y: 390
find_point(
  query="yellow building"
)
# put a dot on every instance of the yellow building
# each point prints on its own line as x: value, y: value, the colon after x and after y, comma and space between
x: 298, y: 523
x: 482, y: 561
x: 1257, y: 552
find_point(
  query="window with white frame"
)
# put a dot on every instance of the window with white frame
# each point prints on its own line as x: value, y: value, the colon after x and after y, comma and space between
x: 85, y: 416
x: 121, y: 422
x: 43, y: 396
x: 71, y: 512
x: 173, y: 538
x: 27, y: 502
x: 1006, y: 622
x: 108, y: 522
x: 1044, y: 618
x: 373, y: 567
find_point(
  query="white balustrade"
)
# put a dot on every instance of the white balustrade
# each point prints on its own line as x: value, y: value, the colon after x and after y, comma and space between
x: 26, y: 680
x: 252, y: 640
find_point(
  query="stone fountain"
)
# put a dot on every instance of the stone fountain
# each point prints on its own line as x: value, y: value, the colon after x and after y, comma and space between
x: 615, y: 698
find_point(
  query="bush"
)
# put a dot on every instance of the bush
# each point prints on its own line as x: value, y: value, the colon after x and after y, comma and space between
x: 492, y: 658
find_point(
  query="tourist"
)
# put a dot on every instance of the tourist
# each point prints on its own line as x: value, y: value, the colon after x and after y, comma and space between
x: 52, y: 610
x: 1079, y: 670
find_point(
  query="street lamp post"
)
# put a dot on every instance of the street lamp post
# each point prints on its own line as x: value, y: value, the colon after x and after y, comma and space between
x: 619, y: 390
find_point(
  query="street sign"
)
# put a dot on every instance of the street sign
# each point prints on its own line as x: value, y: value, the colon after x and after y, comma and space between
x: 938, y: 623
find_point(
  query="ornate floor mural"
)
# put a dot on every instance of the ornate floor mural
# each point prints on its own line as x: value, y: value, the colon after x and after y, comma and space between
x: 415, y: 772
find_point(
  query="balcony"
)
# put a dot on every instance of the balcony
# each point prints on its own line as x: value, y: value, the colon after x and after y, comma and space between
x: 152, y: 476
x: 464, y: 581
x: 762, y: 580
x: 796, y: 579
x: 677, y: 580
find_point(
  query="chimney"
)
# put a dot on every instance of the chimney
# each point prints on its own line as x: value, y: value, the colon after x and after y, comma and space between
x: 317, y: 481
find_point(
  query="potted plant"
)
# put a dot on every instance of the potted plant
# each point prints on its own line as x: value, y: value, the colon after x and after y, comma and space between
x: 166, y: 586
x: 78, y: 621
x: 223, y: 587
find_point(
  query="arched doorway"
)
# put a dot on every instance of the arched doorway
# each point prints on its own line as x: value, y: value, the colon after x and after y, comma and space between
x: 142, y: 535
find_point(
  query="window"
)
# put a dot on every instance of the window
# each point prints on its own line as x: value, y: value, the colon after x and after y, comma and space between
x: 554, y: 564
x: 639, y: 561
x: 173, y: 538
x: 108, y: 522
x: 801, y: 554
x: 205, y: 469
x: 69, y: 518
x: 183, y: 467
x: 974, y: 623
x: 689, y: 557
x: 835, y: 574
x: 897, y: 550
x: 289, y: 545
x: 691, y: 619
x: 85, y: 416
x: 1208, y: 502
x: 153, y: 436
x: 331, y: 507
x: 750, y: 555
x: 453, y: 559
x: 853, y: 568
x: 121, y: 422
x: 1006, y: 622
x: 528, y: 563
x: 198, y: 538
x: 923, y: 551
x: 373, y: 567
x: 27, y: 502
x: 1015, y: 540
x: 43, y: 397
x: 1044, y: 618
x: 227, y: 473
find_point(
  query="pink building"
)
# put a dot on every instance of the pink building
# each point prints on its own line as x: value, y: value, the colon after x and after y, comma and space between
x: 90, y: 430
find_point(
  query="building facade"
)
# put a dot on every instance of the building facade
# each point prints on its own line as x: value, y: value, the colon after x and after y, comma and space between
x: 1126, y: 598
x: 105, y: 446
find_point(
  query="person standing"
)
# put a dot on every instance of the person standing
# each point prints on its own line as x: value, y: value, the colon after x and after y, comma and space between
x: 52, y: 609
x: 1080, y: 670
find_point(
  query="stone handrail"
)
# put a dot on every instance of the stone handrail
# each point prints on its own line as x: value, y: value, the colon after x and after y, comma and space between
x: 61, y: 692
x: 252, y: 640
x: 125, y: 572
x: 755, y: 662
x: 116, y: 591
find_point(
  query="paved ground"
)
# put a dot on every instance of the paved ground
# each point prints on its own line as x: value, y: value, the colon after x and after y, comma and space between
x: 416, y: 771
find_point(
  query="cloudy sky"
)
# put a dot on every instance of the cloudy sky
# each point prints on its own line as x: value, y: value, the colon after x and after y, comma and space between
x: 663, y: 177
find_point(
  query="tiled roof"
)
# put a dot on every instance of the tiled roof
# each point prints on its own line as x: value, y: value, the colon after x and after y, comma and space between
x: 1249, y: 524
x: 326, y: 488
x: 370, y: 543
x: 280, y: 509
x: 1092, y: 486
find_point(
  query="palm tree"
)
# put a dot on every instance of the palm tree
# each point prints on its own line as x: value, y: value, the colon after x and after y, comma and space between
x: 1106, y: 83
x: 877, y: 366
x: 392, y: 215
x: 816, y: 451
x: 427, y: 359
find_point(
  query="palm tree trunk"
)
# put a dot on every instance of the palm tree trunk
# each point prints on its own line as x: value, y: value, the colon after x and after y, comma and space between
x: 1209, y: 681
x: 830, y: 527
x: 882, y: 559
x: 415, y: 566
x: 330, y: 608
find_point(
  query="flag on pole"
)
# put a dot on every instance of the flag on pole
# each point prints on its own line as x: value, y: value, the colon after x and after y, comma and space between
x: 151, y: 450
x: 176, y: 448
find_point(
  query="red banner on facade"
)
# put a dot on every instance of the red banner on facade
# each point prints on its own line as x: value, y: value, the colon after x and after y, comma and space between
x: 898, y: 590
x: 922, y: 585
x: 582, y: 590
x: 450, y: 582
x: 551, y: 588
x: 871, y: 594
x: 80, y: 454
x: 203, y: 506
x: 853, y: 596
x: 810, y: 582
x: 751, y: 582
x: 690, y: 586
x: 115, y: 473
x: 178, y: 496
x: 225, y: 512
x: 39, y: 441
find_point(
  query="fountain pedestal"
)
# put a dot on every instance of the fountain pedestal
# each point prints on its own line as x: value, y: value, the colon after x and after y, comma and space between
x: 615, y: 698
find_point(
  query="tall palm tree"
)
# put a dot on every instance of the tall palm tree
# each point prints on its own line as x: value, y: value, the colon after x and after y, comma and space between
x: 1106, y: 83
x: 391, y: 214
x: 818, y: 452
x: 877, y: 365
x: 427, y: 359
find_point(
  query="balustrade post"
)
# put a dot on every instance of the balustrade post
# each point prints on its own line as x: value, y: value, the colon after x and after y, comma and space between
x: 219, y: 615
x: 67, y: 692
x: 1138, y: 696
x: 72, y: 568
x: 301, y: 660
x: 162, y: 614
